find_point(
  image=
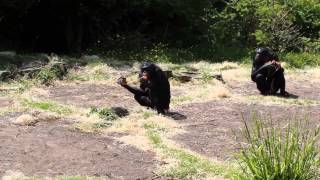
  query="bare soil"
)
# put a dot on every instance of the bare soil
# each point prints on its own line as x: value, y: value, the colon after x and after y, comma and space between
x: 216, y: 132
x: 53, y: 149
x: 91, y: 95
x: 5, y: 101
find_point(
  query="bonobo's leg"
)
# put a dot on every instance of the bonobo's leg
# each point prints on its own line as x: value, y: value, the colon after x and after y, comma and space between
x: 143, y: 100
x: 280, y: 82
x: 262, y: 84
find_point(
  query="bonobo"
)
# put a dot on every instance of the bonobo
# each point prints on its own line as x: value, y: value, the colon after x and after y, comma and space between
x: 268, y: 73
x: 154, y: 91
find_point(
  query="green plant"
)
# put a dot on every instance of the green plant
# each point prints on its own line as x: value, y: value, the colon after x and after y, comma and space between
x: 275, y: 153
x: 206, y: 77
x: 47, y: 106
x: 300, y: 60
x: 47, y: 74
x: 107, y: 114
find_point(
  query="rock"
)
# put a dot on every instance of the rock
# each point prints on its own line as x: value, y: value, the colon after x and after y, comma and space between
x: 26, y: 120
x: 35, y: 117
x: 47, y: 116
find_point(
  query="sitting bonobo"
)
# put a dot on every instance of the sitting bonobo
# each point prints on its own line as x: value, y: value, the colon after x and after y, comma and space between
x: 154, y: 91
x: 268, y: 73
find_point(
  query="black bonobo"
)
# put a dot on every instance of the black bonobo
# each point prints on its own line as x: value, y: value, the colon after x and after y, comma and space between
x: 154, y: 91
x: 268, y: 73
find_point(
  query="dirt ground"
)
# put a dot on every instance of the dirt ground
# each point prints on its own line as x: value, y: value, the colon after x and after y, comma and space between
x: 54, y: 149
x: 214, y: 132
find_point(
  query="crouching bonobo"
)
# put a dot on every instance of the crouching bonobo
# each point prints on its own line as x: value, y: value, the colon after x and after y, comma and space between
x: 268, y: 73
x: 154, y: 91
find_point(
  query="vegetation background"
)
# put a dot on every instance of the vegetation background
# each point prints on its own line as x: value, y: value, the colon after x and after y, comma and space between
x: 166, y: 30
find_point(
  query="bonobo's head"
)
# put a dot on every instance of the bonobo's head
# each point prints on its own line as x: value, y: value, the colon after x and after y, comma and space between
x: 148, y: 70
x: 262, y: 55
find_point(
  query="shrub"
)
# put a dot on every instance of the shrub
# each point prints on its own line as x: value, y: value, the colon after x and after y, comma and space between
x: 300, y: 60
x: 280, y: 153
x: 49, y: 73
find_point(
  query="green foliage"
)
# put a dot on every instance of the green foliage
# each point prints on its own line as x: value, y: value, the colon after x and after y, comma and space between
x: 48, y: 74
x: 107, y: 114
x: 162, y: 30
x: 205, y: 76
x: 276, y: 153
x: 47, y: 106
x: 300, y: 60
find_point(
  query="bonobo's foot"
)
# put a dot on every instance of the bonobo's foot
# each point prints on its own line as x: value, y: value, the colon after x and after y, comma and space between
x: 163, y: 111
x: 284, y: 94
x: 266, y: 93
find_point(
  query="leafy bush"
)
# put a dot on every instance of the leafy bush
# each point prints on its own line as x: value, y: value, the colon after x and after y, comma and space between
x: 300, y: 60
x: 46, y: 75
x: 280, y: 153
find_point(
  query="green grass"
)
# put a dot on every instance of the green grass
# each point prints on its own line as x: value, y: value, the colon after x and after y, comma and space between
x: 108, y: 115
x: 189, y: 165
x: 47, y: 106
x: 275, y: 153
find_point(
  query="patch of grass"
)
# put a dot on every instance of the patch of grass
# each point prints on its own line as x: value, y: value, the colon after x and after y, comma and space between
x: 47, y: 106
x: 108, y: 115
x: 189, y: 165
x: 206, y: 77
x: 283, y: 101
x: 278, y: 153
x: 98, y: 71
x: 181, y: 99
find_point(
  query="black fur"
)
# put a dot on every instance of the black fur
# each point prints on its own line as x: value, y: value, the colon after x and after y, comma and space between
x: 154, y: 93
x: 268, y: 77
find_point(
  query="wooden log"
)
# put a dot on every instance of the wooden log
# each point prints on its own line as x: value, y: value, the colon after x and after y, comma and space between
x: 4, y: 75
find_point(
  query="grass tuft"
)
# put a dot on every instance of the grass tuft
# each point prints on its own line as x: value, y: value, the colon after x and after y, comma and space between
x: 272, y: 152
x: 47, y: 106
x: 108, y: 115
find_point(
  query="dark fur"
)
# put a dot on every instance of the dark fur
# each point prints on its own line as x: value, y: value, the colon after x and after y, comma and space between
x: 269, y: 78
x: 155, y: 93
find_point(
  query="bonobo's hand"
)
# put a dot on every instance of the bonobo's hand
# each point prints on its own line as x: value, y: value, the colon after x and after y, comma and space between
x: 122, y: 81
x: 276, y: 63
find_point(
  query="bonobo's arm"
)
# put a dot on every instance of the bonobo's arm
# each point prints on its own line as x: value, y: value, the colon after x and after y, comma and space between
x: 135, y: 90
